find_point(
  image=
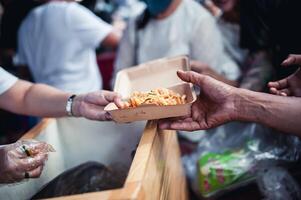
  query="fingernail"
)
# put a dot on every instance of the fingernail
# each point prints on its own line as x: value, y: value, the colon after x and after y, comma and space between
x: 108, y: 116
x: 287, y: 61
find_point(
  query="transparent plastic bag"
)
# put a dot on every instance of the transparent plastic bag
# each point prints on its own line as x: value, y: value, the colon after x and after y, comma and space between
x: 231, y: 156
x: 22, y: 160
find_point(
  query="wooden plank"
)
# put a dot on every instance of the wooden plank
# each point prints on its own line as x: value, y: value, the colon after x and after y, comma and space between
x: 35, y: 131
x: 156, y: 171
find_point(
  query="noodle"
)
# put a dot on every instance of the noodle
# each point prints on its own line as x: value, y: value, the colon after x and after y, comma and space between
x: 159, y: 97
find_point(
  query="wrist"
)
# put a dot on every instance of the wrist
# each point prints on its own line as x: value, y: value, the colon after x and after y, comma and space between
x: 76, y: 104
x: 248, y: 106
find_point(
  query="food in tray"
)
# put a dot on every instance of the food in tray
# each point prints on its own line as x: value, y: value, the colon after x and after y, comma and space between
x: 159, y: 97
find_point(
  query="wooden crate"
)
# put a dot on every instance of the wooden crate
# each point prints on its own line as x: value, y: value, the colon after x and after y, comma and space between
x: 155, y: 173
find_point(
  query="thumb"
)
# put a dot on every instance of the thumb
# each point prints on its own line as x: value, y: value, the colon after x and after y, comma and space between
x: 292, y: 59
x: 191, y: 77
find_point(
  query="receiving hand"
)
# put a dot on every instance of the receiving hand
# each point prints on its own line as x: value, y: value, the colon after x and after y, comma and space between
x: 23, y: 159
x: 290, y: 86
x: 91, y: 105
x: 214, y: 106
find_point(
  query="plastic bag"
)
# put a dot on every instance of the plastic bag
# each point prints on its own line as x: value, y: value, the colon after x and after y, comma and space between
x: 277, y: 184
x: 231, y: 156
x: 22, y: 160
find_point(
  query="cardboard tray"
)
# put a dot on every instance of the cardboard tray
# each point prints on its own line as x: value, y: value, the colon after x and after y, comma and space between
x: 145, y: 77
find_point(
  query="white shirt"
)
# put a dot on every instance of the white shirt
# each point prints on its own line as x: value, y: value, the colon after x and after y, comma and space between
x: 6, y: 80
x: 57, y: 41
x: 190, y: 30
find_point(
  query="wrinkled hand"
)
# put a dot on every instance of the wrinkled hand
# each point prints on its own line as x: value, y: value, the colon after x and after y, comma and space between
x: 14, y: 162
x: 290, y: 86
x: 91, y: 105
x: 214, y: 106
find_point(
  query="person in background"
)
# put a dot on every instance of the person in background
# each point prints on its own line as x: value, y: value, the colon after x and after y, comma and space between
x: 14, y: 11
x: 169, y: 28
x: 57, y: 41
x: 219, y: 103
x: 256, y: 66
x: 41, y: 100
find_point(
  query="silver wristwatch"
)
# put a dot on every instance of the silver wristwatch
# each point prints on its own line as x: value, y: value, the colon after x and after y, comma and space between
x: 69, y: 105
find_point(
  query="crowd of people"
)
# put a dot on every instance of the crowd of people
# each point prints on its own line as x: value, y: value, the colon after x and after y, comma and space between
x: 238, y: 56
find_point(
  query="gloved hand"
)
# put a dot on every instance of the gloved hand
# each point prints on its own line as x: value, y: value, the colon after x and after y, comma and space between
x: 23, y: 159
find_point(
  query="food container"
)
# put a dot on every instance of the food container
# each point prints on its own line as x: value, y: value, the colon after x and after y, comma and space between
x: 145, y: 77
x: 155, y: 172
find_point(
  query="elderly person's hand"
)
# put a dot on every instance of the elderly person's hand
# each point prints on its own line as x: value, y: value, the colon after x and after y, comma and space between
x: 214, y: 106
x: 23, y: 159
x: 91, y: 105
x: 290, y: 86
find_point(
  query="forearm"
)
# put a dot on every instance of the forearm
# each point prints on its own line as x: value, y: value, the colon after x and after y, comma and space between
x: 35, y: 99
x: 281, y: 113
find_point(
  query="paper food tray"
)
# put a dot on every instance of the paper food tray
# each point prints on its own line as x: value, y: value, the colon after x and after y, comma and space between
x: 145, y: 77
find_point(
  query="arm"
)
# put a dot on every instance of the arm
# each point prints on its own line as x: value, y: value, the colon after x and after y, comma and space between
x: 90, y: 29
x: 126, y: 50
x: 45, y: 101
x: 34, y: 99
x: 219, y: 103
x: 278, y: 112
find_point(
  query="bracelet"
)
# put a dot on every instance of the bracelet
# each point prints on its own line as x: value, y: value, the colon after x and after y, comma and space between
x: 69, y: 105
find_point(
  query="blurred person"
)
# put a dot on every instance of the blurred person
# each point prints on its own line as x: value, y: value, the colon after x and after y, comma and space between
x: 57, y: 41
x: 14, y: 12
x: 256, y: 66
x: 219, y: 103
x: 270, y: 24
x: 41, y: 100
x: 174, y: 27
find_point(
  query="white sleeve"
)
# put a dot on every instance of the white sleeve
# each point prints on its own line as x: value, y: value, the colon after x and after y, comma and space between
x: 126, y: 50
x: 6, y: 80
x: 89, y: 28
x: 207, y: 46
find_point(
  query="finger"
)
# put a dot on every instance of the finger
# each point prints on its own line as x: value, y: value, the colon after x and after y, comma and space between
x: 279, y: 84
x: 94, y: 112
x: 184, y: 125
x: 100, y: 98
x: 35, y: 173
x: 36, y: 147
x: 111, y: 96
x: 191, y: 77
x: 292, y: 59
x: 31, y: 163
x: 285, y: 92
x: 118, y: 102
x: 273, y: 90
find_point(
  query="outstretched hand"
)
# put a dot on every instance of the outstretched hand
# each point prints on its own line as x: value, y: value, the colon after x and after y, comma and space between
x: 91, y: 105
x: 214, y: 106
x: 290, y: 86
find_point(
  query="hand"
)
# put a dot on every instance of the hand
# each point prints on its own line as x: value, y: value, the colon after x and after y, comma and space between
x: 290, y: 86
x: 15, y: 164
x: 91, y: 105
x: 214, y: 106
